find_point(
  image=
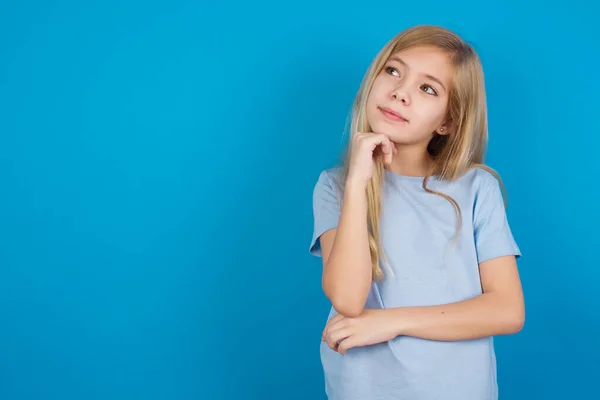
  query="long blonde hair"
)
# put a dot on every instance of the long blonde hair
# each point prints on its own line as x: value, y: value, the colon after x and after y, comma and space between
x: 452, y: 155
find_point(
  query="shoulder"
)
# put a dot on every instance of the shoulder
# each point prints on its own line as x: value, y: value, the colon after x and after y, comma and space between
x: 486, y: 191
x: 330, y: 178
x: 480, y: 181
x: 334, y: 173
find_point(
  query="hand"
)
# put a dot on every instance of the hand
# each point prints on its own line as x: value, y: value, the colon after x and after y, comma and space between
x: 371, y: 327
x: 363, y: 151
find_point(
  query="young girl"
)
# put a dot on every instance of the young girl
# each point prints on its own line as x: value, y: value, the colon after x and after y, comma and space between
x: 419, y: 262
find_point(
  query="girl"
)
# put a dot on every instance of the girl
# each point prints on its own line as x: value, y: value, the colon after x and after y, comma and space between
x: 419, y: 262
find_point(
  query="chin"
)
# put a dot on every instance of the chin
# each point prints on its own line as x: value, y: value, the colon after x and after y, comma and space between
x: 396, y: 134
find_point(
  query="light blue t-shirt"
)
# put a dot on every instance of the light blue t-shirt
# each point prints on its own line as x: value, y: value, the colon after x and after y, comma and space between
x: 417, y: 231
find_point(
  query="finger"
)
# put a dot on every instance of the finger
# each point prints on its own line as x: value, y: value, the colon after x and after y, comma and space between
x: 333, y: 345
x: 332, y: 321
x: 338, y: 334
x: 334, y: 338
x: 382, y: 138
x: 388, y: 151
x: 359, y: 136
x: 387, y: 143
x: 334, y: 325
x: 335, y: 318
x: 347, y: 344
x: 376, y: 139
x: 389, y: 155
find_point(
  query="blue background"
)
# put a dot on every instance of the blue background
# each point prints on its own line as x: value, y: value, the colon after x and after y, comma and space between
x: 157, y: 167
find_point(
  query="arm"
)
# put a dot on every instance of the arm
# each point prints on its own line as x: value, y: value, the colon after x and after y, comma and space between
x: 347, y: 271
x: 499, y: 310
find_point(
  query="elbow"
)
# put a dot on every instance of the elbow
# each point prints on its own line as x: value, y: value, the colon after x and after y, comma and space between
x: 515, y: 322
x: 348, y: 309
x: 518, y: 324
x: 348, y: 298
x: 347, y: 303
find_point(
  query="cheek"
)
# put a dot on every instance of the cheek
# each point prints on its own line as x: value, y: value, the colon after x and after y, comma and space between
x: 432, y: 114
x: 376, y: 97
x: 375, y: 94
x: 381, y: 87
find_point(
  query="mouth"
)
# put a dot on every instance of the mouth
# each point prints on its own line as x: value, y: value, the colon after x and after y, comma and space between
x: 392, y: 115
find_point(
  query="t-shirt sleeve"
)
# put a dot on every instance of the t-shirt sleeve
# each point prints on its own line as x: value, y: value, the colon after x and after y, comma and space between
x: 326, y: 209
x: 493, y: 236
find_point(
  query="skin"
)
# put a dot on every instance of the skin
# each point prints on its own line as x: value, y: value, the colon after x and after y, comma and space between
x: 415, y: 83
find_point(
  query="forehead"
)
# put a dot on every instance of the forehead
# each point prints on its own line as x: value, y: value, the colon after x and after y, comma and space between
x: 427, y: 60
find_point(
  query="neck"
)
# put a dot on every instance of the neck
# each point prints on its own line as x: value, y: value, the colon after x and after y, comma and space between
x: 410, y: 161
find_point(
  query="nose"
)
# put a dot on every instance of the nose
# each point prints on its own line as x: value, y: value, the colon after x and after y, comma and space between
x: 400, y: 94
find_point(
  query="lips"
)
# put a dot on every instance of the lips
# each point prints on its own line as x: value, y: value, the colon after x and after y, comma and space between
x: 391, y: 114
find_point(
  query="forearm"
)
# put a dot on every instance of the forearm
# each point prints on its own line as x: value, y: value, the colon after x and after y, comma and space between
x: 347, y: 275
x: 488, y: 314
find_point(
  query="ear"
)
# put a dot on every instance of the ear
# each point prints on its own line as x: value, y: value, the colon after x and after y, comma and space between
x: 445, y: 128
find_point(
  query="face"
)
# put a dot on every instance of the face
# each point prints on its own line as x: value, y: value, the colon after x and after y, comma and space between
x: 409, y: 98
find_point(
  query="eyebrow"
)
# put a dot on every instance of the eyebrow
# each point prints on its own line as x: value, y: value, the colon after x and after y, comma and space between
x: 433, y: 78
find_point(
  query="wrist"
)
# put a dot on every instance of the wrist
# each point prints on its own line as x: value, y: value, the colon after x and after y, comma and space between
x: 355, y: 187
x: 400, y: 320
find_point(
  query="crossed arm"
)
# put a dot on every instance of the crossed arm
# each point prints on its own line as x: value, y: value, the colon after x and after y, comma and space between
x: 499, y: 310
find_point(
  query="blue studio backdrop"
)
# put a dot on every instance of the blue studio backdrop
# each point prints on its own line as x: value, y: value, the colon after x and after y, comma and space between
x: 157, y: 167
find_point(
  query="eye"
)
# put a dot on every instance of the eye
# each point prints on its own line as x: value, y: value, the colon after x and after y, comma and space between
x: 392, y: 70
x: 429, y: 90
